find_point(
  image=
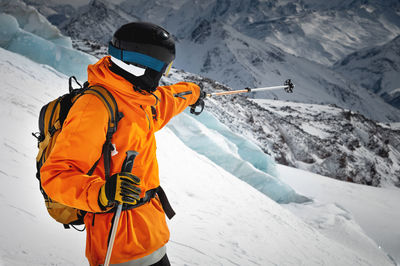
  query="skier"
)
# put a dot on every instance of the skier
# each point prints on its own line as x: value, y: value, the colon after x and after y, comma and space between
x: 139, y: 54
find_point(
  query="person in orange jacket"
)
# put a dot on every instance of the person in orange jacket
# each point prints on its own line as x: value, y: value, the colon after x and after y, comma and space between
x: 139, y: 53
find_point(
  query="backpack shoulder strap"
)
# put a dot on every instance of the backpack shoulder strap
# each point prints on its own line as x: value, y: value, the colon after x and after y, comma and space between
x: 114, y: 116
x: 109, y: 102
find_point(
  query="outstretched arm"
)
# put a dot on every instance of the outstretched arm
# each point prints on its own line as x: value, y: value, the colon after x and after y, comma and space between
x: 174, y: 99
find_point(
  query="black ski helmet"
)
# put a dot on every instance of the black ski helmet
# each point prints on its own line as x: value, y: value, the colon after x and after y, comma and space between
x: 144, y: 44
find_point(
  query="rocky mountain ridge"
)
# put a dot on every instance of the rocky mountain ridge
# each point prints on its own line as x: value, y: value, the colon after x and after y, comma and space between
x: 323, y: 139
x: 377, y: 69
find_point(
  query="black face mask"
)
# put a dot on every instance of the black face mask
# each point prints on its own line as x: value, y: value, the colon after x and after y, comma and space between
x: 148, y: 82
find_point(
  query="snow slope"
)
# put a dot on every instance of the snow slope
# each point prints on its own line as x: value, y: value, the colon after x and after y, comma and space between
x: 221, y: 220
x: 375, y: 210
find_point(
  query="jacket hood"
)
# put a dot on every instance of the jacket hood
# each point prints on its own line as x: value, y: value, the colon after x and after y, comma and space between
x: 100, y: 73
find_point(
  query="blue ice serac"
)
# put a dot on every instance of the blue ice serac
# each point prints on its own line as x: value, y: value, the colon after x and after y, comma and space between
x: 234, y: 153
x: 55, y: 52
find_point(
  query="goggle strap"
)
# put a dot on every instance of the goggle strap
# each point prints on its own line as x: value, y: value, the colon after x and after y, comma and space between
x: 138, y: 58
x: 168, y: 69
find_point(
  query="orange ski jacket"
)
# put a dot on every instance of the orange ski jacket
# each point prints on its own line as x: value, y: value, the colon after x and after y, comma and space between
x: 141, y: 230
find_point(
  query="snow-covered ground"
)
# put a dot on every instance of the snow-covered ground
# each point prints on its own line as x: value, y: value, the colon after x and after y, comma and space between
x: 346, y: 211
x: 221, y: 220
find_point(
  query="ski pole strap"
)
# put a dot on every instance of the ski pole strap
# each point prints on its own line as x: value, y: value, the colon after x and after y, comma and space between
x: 148, y: 196
x: 193, y: 108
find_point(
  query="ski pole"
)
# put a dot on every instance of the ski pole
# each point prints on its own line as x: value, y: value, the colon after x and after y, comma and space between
x: 288, y: 86
x: 126, y: 167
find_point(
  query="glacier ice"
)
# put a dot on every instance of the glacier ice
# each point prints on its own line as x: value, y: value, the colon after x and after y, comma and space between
x: 236, y: 155
x: 41, y: 50
x: 30, y: 20
x: 247, y: 150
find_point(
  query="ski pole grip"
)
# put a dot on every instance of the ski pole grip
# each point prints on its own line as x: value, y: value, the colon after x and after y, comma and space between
x: 289, y: 86
x: 129, y: 160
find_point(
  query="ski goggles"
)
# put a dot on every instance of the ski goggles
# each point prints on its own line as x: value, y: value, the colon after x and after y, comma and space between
x: 139, y: 58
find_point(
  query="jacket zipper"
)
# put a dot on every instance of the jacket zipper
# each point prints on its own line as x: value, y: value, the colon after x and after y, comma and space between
x: 181, y: 94
x: 148, y: 119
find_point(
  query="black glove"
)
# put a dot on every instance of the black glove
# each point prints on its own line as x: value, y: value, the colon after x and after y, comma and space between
x: 199, y: 102
x: 120, y: 188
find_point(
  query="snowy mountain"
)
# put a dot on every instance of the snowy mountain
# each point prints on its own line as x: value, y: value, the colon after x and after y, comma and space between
x: 251, y: 44
x: 323, y: 31
x: 223, y: 220
x: 377, y: 69
x: 110, y: 15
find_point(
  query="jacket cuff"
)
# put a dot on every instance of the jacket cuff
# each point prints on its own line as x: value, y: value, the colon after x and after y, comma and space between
x: 195, y: 91
x: 93, y: 195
